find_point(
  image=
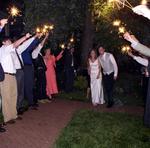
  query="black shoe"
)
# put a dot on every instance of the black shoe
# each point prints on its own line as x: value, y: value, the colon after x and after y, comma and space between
x: 20, y: 111
x: 2, y: 130
x: 110, y: 105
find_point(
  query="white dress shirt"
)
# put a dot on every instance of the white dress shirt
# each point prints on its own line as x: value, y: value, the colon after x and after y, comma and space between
x: 1, y: 28
x: 141, y: 60
x: 6, y: 59
x: 36, y: 52
x: 19, y: 50
x: 108, y: 69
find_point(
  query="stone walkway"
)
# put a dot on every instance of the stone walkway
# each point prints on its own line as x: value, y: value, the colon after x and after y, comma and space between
x: 40, y: 129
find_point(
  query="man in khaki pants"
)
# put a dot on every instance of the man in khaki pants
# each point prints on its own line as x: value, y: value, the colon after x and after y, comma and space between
x: 3, y: 22
x: 8, y: 87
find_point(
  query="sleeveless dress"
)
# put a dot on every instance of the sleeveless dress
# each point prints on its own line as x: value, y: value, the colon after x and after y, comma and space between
x: 96, y: 84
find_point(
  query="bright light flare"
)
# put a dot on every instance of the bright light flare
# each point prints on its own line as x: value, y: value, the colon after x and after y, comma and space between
x: 125, y: 49
x: 121, y: 29
x: 14, y: 11
x: 51, y: 27
x: 116, y: 23
x: 120, y: 3
x: 72, y: 40
x: 46, y: 27
x: 38, y: 30
x: 62, y: 46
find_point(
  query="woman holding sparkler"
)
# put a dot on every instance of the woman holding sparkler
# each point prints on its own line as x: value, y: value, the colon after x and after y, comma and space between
x: 50, y: 61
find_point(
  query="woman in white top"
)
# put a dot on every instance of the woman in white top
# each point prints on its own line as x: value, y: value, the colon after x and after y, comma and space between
x: 94, y: 68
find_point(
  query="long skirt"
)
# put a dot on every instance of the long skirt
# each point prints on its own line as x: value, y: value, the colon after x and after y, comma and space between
x: 97, y: 91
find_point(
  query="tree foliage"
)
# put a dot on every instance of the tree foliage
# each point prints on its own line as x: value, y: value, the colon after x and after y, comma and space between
x: 107, y: 35
x: 70, y: 16
x: 66, y: 15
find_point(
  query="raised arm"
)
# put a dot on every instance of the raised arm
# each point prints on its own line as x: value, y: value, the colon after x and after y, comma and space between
x: 45, y: 39
x: 3, y: 22
x: 40, y: 46
x: 136, y: 45
x: 140, y: 60
x: 21, y: 40
x: 60, y: 55
x: 141, y: 49
x: 25, y: 45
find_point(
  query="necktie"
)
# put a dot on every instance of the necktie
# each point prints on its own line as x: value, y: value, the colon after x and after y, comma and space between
x: 21, y: 63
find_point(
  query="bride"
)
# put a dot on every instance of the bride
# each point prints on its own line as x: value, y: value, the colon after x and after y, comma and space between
x: 94, y: 69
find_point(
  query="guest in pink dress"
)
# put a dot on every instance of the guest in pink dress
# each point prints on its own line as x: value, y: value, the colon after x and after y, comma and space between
x: 50, y: 61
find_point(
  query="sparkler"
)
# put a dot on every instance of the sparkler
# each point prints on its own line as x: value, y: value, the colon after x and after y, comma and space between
x: 14, y: 11
x: 121, y: 29
x: 51, y: 27
x: 38, y: 30
x: 72, y: 40
x: 45, y: 29
x: 116, y: 23
x: 125, y: 49
x: 62, y: 46
x: 120, y: 3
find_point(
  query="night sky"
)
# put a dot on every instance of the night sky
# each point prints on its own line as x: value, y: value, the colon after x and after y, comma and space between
x: 17, y: 28
x: 4, y: 4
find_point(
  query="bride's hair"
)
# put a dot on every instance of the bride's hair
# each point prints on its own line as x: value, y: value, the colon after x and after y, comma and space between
x: 89, y: 57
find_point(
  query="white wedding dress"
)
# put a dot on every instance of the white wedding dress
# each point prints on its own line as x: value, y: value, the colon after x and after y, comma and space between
x: 96, y: 84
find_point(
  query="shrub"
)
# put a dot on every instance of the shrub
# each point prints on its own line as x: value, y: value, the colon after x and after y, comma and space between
x: 80, y: 83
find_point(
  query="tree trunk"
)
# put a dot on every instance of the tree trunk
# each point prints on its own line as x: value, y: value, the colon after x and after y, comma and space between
x: 87, y: 38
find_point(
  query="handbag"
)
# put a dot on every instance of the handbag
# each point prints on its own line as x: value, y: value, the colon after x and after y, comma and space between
x: 2, y: 75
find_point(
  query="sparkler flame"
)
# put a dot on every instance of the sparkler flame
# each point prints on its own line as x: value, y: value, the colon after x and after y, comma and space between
x: 125, y: 49
x: 62, y: 46
x: 14, y: 11
x: 38, y: 30
x: 120, y: 3
x: 51, y: 27
x: 121, y: 29
x: 116, y: 23
x: 72, y: 40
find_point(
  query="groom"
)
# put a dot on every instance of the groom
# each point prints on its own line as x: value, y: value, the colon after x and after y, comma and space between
x: 110, y: 73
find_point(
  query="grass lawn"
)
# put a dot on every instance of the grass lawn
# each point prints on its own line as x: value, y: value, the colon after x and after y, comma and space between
x: 90, y: 129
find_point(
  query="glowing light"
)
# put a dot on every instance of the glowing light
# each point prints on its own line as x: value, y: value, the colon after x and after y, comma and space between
x: 72, y: 40
x: 44, y: 31
x: 120, y: 3
x: 121, y: 29
x: 116, y: 23
x: 125, y: 49
x: 46, y: 27
x: 38, y: 30
x: 51, y: 27
x: 143, y: 2
x: 62, y: 46
x: 14, y: 11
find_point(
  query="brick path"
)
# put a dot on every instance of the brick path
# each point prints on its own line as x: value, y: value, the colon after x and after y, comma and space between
x: 40, y: 129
